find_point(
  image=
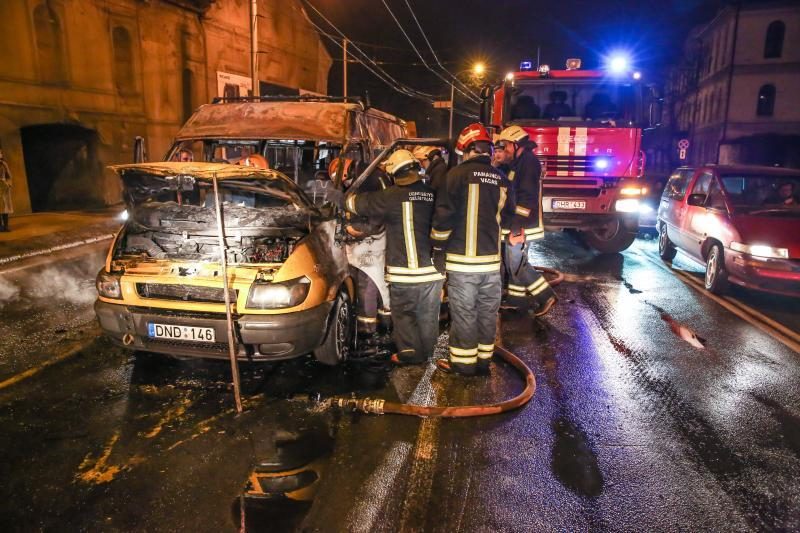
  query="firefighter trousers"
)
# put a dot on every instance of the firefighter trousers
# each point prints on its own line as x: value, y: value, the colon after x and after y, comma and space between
x: 370, y: 313
x: 526, y: 285
x: 415, y: 319
x: 474, y: 300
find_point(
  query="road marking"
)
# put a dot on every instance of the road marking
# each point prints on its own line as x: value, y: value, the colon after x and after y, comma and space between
x: 68, y: 352
x: 752, y: 317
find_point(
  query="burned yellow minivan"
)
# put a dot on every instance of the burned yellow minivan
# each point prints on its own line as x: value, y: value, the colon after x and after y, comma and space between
x: 162, y: 287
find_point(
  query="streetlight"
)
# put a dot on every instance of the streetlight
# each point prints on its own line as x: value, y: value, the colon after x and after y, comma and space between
x: 477, y: 69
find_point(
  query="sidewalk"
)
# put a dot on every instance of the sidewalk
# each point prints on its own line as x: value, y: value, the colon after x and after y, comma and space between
x: 43, y: 233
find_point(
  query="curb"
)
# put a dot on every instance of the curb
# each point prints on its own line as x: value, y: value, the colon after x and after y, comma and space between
x: 34, y: 253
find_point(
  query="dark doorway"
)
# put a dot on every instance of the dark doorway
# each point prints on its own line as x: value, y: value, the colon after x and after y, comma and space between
x: 62, y: 167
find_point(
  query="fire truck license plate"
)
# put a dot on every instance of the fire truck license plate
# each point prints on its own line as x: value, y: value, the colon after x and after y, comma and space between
x: 180, y: 333
x: 569, y: 204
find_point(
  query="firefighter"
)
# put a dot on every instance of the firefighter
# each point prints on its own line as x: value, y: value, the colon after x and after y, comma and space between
x: 414, y: 283
x: 430, y: 157
x: 526, y: 285
x: 470, y: 213
x: 366, y: 248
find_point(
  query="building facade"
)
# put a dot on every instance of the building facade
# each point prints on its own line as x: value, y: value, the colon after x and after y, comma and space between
x: 79, y: 79
x: 734, y: 95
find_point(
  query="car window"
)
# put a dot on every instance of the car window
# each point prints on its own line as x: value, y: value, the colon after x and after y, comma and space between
x: 676, y: 186
x: 702, y: 184
x: 715, y: 200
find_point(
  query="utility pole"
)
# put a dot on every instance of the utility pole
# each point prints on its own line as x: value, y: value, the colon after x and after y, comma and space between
x: 254, y: 46
x: 344, y: 68
x: 452, y: 97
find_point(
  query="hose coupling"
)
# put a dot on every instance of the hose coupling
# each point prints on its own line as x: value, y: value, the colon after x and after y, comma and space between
x: 365, y: 405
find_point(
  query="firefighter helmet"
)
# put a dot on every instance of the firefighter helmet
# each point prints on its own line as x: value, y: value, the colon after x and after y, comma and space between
x: 255, y: 161
x: 346, y: 164
x: 470, y: 135
x: 513, y: 134
x: 399, y: 160
x: 426, y: 152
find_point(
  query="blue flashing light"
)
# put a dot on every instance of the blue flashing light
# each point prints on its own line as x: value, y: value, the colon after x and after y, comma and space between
x: 618, y: 64
x: 601, y: 163
x: 525, y: 65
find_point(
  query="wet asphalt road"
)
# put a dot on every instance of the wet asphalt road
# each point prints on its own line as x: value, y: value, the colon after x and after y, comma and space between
x: 632, y: 427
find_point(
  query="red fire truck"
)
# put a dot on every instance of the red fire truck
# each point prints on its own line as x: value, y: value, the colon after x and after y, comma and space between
x: 587, y: 125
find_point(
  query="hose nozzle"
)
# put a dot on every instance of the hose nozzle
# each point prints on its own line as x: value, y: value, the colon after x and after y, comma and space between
x: 365, y: 405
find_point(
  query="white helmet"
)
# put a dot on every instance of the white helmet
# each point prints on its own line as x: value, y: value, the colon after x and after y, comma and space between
x: 513, y: 134
x: 399, y: 160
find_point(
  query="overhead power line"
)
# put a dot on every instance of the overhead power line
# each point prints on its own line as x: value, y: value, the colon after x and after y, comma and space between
x: 370, y: 64
x: 416, y: 50
x: 436, y: 57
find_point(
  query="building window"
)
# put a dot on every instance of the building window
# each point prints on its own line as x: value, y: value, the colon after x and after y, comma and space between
x: 49, y: 44
x: 123, y: 60
x: 773, y: 44
x: 766, y: 101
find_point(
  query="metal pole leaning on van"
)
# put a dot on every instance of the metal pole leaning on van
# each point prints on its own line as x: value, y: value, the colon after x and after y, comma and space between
x: 397, y: 142
x: 237, y: 394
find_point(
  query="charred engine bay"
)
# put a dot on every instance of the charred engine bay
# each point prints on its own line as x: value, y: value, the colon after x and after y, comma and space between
x: 167, y: 230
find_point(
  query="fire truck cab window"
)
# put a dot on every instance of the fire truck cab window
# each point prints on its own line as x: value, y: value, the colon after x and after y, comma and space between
x: 601, y: 102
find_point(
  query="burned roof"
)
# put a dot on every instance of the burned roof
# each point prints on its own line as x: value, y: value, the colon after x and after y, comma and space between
x: 314, y: 121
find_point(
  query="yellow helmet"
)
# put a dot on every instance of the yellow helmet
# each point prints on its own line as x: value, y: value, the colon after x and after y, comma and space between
x: 513, y: 134
x: 424, y: 152
x: 398, y: 160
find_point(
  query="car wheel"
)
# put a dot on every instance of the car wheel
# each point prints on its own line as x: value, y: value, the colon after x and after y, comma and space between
x: 338, y: 340
x: 610, y: 238
x: 666, y: 249
x: 716, y: 279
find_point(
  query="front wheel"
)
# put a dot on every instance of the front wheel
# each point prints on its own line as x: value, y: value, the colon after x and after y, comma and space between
x: 716, y: 280
x: 336, y: 346
x: 610, y: 238
x: 666, y: 249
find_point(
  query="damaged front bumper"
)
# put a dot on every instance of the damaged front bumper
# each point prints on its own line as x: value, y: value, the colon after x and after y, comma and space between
x: 259, y: 337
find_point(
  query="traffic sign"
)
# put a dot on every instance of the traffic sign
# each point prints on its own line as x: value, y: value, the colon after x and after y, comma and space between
x: 683, y: 144
x: 682, y: 154
x: 442, y: 104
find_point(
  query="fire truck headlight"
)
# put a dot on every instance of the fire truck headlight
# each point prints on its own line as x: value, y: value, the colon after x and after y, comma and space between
x: 601, y: 163
x: 628, y: 205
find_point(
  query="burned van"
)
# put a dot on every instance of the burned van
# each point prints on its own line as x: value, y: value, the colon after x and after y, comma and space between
x: 162, y: 287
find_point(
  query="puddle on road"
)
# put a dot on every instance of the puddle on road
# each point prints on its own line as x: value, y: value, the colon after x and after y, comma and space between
x: 573, y: 461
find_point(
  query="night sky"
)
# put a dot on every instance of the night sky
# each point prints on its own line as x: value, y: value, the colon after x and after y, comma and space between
x: 500, y: 33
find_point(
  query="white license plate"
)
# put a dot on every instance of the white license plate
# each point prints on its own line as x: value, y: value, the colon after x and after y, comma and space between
x: 569, y: 204
x: 180, y: 333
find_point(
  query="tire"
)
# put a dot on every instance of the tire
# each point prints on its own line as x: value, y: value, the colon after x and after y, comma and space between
x: 716, y: 279
x: 666, y: 249
x: 339, y: 337
x: 610, y: 238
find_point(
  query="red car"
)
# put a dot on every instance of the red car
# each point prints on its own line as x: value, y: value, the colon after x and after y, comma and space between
x: 742, y: 222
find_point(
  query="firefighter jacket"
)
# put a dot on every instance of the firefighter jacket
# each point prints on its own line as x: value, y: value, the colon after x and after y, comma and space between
x: 436, y: 173
x: 407, y: 211
x: 526, y: 178
x: 368, y: 225
x: 471, y: 209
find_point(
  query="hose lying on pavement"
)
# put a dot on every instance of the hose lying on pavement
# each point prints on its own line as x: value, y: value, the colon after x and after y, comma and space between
x: 379, y: 407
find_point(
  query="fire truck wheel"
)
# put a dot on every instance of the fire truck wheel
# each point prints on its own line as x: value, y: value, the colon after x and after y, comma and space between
x: 610, y: 238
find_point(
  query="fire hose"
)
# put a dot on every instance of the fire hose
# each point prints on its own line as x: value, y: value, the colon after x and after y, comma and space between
x: 379, y: 407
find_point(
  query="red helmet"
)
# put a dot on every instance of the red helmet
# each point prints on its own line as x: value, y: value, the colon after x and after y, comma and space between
x: 473, y: 133
x: 333, y: 169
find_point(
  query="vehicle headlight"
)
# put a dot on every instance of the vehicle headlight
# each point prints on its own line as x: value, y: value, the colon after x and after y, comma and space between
x: 761, y: 250
x: 280, y: 295
x: 108, y: 285
x: 628, y: 205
